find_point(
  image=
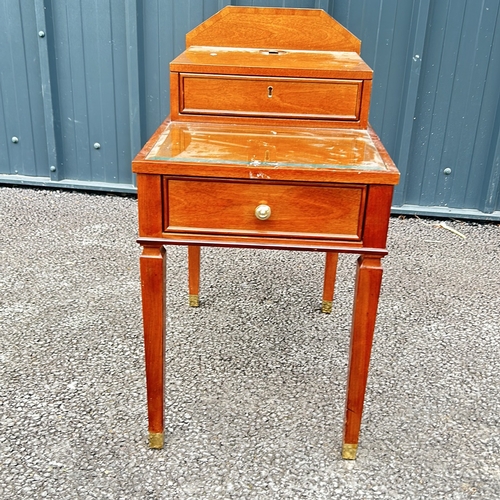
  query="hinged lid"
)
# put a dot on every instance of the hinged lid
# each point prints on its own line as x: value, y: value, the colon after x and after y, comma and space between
x: 239, y: 61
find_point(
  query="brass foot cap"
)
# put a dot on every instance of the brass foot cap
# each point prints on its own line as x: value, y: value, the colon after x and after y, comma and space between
x: 349, y: 451
x: 156, y: 440
x: 326, y: 306
x: 194, y: 301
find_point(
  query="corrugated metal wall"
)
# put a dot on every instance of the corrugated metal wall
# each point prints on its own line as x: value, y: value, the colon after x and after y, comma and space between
x: 84, y: 83
x: 436, y: 98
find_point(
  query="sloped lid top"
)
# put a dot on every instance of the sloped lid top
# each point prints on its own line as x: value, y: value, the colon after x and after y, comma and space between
x: 277, y: 28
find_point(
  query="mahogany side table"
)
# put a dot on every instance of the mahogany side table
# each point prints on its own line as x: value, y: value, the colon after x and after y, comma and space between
x: 267, y: 146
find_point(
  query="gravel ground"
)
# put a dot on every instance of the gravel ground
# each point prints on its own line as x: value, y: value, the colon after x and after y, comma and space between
x: 255, y: 376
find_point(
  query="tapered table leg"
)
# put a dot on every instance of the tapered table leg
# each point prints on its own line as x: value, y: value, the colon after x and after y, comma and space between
x: 152, y: 266
x: 329, y: 281
x: 366, y: 295
x: 194, y: 275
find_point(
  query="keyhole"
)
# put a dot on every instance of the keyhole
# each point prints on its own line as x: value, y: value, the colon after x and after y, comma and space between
x: 269, y: 91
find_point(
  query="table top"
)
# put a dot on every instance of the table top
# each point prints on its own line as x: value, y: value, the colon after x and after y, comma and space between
x: 267, y: 152
x: 266, y: 146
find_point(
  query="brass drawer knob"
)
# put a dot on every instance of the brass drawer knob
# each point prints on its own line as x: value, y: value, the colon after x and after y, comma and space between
x: 263, y: 212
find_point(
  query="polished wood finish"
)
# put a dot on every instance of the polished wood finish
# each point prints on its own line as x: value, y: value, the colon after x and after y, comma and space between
x: 331, y: 261
x: 152, y: 267
x: 298, y: 66
x: 194, y: 257
x: 279, y: 123
x: 270, y: 97
x: 321, y: 211
x: 289, y: 87
x: 240, y: 152
x: 276, y: 28
x: 366, y: 295
x: 264, y: 62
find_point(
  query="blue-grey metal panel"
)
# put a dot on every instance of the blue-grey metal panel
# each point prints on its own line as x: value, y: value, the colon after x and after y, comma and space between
x: 100, y: 76
x: 404, y: 128
x: 435, y: 99
x: 491, y: 184
x: 301, y: 4
x: 21, y: 106
x: 164, y: 24
x: 386, y: 29
x: 393, y: 35
x: 90, y: 45
x: 455, y: 117
x: 133, y: 74
x: 49, y: 87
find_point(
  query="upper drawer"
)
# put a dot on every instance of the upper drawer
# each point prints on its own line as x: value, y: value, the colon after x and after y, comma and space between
x: 267, y: 97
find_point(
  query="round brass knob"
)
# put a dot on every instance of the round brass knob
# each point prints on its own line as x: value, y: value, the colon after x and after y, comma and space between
x: 263, y: 212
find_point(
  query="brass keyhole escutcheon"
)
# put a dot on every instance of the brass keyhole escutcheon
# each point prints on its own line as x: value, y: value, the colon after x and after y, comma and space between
x: 263, y: 212
x: 270, y: 91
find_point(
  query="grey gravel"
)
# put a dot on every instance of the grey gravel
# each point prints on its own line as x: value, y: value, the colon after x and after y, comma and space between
x: 255, y: 376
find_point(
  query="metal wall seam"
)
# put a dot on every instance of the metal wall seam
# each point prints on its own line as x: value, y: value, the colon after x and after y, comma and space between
x: 412, y: 82
x: 134, y: 94
x: 492, y: 197
x: 326, y: 5
x: 47, y: 90
x: 6, y: 133
x: 470, y: 159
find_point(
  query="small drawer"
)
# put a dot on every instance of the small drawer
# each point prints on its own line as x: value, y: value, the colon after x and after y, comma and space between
x: 303, y: 98
x: 214, y: 206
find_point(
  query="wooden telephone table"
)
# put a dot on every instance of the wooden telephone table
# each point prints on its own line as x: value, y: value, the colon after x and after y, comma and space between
x: 267, y: 146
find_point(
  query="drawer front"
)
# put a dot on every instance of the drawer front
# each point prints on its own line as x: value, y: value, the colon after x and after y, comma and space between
x: 322, y: 211
x: 270, y: 97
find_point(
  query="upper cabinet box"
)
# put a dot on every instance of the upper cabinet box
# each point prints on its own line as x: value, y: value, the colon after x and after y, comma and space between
x: 271, y: 66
